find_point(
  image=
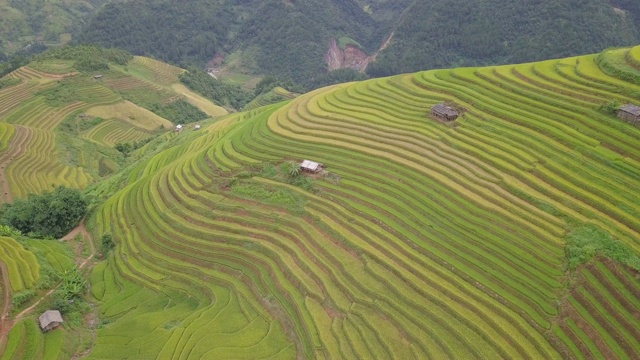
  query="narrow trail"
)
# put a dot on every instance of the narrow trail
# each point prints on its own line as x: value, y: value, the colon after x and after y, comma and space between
x: 17, y: 148
x: 7, y: 324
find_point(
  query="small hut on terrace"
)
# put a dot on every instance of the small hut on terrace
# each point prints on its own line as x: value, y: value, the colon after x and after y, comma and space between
x: 311, y: 166
x: 630, y: 113
x: 178, y: 128
x: 444, y: 113
x: 50, y: 319
x: 97, y: 77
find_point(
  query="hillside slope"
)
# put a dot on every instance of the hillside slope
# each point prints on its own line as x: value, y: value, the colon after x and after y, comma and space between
x: 445, y: 33
x: 511, y: 233
x: 60, y: 125
x: 289, y: 39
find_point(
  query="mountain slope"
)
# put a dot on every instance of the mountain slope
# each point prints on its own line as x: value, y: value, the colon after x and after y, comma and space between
x: 283, y: 38
x: 511, y: 233
x: 442, y: 33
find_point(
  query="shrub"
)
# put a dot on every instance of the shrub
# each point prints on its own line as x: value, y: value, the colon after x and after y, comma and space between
x: 587, y: 241
x: 610, y: 108
x: 107, y: 242
x: 22, y: 297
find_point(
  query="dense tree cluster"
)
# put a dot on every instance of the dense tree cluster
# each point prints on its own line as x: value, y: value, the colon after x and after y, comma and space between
x: 89, y: 58
x: 127, y: 147
x: 51, y: 214
x: 216, y: 90
x: 179, y: 112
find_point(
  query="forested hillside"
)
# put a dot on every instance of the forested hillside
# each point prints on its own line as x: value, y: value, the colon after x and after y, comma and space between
x: 287, y: 39
x: 445, y: 33
x: 51, y: 21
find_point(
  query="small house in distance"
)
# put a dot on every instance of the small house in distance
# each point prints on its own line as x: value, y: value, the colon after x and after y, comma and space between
x: 197, y: 127
x: 630, y: 113
x: 178, y: 128
x: 50, y: 319
x: 97, y: 77
x: 443, y: 112
x: 311, y: 166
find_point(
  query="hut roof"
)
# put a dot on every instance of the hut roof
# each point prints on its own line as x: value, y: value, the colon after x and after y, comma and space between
x: 631, y: 109
x: 310, y: 165
x: 444, y: 110
x: 48, y: 317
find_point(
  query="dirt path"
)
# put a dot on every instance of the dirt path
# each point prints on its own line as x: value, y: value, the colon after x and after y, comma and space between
x: 5, y: 323
x: 17, y: 148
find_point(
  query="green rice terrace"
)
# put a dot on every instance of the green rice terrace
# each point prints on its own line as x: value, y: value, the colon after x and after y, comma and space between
x: 511, y: 232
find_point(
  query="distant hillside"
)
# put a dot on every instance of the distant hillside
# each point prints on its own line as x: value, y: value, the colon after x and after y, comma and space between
x: 289, y: 39
x: 51, y: 21
x: 445, y: 33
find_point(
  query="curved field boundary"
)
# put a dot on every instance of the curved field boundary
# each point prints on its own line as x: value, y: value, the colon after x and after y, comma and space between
x: 17, y: 148
x: 23, y: 268
x: 598, y: 315
x: 111, y: 132
x: 6, y: 133
x: 37, y: 167
x: 137, y: 116
x: 14, y: 96
x: 426, y: 240
x: 157, y: 71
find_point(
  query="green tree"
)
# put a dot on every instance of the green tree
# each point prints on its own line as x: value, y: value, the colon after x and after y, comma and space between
x: 51, y: 214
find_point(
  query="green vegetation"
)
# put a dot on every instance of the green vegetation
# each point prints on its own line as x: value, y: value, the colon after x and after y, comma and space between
x: 451, y: 33
x: 179, y: 112
x: 587, y: 241
x: 193, y: 33
x: 25, y: 23
x: 127, y: 147
x: 50, y: 214
x: 22, y: 265
x: 466, y: 241
x: 512, y: 233
x: 88, y: 58
x: 216, y: 90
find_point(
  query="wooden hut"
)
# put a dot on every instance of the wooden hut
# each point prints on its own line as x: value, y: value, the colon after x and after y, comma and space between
x: 97, y: 77
x: 311, y: 166
x: 444, y: 113
x: 630, y: 113
x: 50, y: 319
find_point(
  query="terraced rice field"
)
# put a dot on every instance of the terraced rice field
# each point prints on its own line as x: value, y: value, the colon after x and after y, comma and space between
x: 27, y: 342
x: 31, y: 162
x: 133, y: 86
x: 39, y: 168
x: 435, y: 241
x: 111, y: 132
x: 156, y: 71
x: 137, y: 116
x: 275, y: 95
x: 21, y: 264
